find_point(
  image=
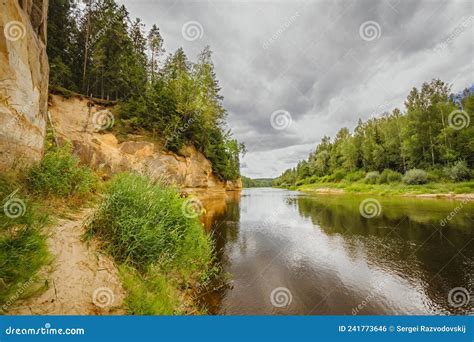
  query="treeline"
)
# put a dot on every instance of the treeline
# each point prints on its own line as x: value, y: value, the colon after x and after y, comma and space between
x: 256, y: 182
x: 432, y: 140
x: 96, y: 49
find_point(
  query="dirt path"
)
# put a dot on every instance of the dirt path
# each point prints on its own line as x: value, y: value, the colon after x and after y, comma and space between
x: 80, y: 279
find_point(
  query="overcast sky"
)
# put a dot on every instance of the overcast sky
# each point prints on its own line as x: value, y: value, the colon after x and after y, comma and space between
x: 315, y: 65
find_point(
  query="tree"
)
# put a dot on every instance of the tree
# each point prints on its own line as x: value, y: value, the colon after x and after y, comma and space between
x: 155, y: 43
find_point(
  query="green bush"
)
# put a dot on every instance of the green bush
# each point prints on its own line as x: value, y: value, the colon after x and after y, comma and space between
x: 458, y: 172
x: 435, y: 175
x: 339, y: 175
x: 143, y: 223
x: 372, y: 177
x: 389, y: 176
x: 354, y: 176
x: 415, y: 176
x: 60, y: 174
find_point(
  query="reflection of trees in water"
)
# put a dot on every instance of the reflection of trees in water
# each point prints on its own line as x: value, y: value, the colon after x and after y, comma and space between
x: 225, y: 228
x: 404, y: 240
x: 222, y: 221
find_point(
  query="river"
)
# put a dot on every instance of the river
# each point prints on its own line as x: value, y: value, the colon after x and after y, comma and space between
x: 292, y: 253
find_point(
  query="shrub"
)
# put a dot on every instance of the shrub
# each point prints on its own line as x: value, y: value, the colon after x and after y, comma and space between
x: 355, y: 176
x: 458, y: 172
x: 313, y: 179
x: 415, y: 176
x: 435, y: 175
x: 60, y: 174
x: 300, y: 182
x: 144, y: 223
x: 338, y: 175
x: 372, y: 177
x: 389, y: 176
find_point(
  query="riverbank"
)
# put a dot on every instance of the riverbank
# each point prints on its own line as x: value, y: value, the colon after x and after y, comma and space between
x: 138, y: 244
x: 461, y: 190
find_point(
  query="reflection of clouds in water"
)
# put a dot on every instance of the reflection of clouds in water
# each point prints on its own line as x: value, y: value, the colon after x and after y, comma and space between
x: 323, y: 249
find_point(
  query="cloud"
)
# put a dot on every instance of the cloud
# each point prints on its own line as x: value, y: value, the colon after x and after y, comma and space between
x: 308, y: 58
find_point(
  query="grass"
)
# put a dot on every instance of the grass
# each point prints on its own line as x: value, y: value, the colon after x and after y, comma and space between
x: 396, y: 188
x: 162, y: 252
x: 23, y: 248
x: 28, y: 198
x: 59, y: 174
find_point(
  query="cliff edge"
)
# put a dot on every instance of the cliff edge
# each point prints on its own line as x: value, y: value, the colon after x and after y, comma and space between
x: 81, y: 121
x: 23, y: 81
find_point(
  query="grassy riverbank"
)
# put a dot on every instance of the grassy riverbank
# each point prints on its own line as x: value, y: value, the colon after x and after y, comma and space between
x: 155, y: 236
x: 31, y: 200
x: 162, y: 251
x: 391, y: 189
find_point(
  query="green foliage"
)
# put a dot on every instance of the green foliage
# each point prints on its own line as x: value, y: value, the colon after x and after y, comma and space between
x: 256, y: 183
x: 372, y: 177
x: 355, y: 176
x: 422, y: 137
x: 458, y: 172
x: 162, y: 250
x: 149, y: 293
x: 60, y: 174
x: 389, y: 176
x: 143, y: 223
x: 98, y: 50
x: 415, y: 176
x: 182, y: 104
x: 22, y: 244
x: 339, y: 175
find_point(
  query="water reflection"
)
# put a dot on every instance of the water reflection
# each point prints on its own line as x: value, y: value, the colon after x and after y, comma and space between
x: 334, y: 261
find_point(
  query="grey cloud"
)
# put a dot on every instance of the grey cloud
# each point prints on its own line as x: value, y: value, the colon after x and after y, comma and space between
x: 308, y: 58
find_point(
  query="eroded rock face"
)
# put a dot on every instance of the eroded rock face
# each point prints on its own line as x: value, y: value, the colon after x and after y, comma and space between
x: 23, y: 81
x: 81, y: 123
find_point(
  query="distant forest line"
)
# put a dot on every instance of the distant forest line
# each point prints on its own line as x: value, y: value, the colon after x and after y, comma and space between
x: 432, y: 140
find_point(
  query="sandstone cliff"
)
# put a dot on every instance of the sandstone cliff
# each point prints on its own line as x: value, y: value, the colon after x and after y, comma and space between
x: 82, y: 122
x: 23, y: 80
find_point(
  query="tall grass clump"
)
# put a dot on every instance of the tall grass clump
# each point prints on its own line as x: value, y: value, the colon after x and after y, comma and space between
x: 142, y: 225
x: 59, y: 174
x: 22, y: 243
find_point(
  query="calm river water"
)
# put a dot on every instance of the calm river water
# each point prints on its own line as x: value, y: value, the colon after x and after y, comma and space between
x: 291, y: 253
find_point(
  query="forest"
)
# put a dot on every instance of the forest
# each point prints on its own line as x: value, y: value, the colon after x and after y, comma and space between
x: 431, y: 141
x: 97, y: 50
x: 256, y: 182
